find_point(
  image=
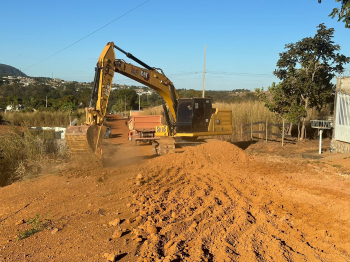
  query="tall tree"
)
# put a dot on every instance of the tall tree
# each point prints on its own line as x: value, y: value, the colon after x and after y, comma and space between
x: 343, y: 13
x: 307, y: 68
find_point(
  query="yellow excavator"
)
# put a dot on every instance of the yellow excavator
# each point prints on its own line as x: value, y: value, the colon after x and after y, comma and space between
x: 189, y: 118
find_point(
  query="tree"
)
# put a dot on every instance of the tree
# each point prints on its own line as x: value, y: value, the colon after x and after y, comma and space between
x: 68, y: 107
x: 154, y: 99
x: 12, y: 100
x: 306, y: 70
x: 343, y: 13
x: 121, y: 96
x: 85, y: 96
x: 286, y: 107
x: 277, y: 102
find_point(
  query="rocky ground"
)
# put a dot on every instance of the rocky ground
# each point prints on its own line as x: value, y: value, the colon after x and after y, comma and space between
x: 214, y: 202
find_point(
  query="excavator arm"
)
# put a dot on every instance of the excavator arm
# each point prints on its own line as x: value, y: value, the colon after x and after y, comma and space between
x: 150, y: 77
x: 86, y: 141
x: 101, y: 90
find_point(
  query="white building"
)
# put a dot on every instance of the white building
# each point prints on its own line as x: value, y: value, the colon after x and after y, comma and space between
x: 341, y: 134
x: 15, y: 108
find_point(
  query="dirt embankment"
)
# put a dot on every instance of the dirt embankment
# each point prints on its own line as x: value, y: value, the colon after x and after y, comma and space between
x: 212, y: 202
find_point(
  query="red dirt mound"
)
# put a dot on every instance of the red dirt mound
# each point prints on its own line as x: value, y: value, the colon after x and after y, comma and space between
x: 216, y: 152
x: 207, y: 205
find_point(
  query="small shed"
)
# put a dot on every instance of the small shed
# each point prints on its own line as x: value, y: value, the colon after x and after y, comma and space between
x: 341, y: 134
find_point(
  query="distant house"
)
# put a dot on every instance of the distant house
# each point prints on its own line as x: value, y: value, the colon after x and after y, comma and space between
x: 11, y: 108
x: 341, y: 135
x: 143, y: 92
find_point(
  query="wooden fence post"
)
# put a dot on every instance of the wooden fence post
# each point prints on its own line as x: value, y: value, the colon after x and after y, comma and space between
x: 242, y: 132
x: 251, y: 128
x: 283, y: 132
x: 266, y: 130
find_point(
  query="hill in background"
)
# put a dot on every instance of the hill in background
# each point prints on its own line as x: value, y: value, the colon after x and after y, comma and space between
x: 6, y: 70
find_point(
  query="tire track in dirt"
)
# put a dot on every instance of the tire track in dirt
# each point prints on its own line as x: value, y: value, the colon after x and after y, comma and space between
x: 210, y: 203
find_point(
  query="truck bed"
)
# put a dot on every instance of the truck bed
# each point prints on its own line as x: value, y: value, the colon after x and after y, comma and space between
x: 145, y: 123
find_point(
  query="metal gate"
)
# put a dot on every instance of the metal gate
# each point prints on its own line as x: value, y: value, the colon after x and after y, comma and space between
x: 342, y: 121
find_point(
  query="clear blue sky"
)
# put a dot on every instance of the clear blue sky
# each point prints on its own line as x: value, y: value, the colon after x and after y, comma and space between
x: 243, y: 38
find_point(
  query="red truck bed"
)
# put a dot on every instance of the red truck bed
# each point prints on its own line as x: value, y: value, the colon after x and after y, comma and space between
x: 142, y: 123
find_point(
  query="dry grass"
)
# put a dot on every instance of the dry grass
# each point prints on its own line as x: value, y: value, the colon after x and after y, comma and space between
x: 245, y: 113
x: 23, y: 154
x: 42, y: 118
x: 158, y: 110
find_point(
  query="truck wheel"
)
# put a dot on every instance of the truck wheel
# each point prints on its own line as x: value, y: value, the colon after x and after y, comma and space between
x: 133, y: 141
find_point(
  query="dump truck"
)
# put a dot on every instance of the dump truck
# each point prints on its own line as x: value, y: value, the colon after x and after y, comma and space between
x: 143, y: 127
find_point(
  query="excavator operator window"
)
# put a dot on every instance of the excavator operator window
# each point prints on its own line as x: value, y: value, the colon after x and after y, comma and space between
x: 202, y: 114
x: 184, y: 115
x: 193, y: 115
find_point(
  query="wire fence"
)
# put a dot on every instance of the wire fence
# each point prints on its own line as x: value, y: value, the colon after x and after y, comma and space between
x: 265, y: 124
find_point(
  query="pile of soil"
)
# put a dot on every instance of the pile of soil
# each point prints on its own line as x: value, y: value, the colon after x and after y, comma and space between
x: 213, y: 203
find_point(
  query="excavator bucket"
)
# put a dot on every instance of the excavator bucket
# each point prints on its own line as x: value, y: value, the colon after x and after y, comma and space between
x: 85, y: 142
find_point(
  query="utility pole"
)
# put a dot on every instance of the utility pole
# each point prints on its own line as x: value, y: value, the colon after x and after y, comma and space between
x: 125, y: 105
x: 139, y: 102
x: 205, y: 47
x: 46, y: 101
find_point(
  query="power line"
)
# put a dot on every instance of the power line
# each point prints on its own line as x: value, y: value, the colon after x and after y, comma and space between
x: 221, y: 73
x: 88, y: 35
x: 190, y: 73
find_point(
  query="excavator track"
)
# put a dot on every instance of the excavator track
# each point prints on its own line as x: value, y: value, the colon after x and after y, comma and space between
x: 163, y: 146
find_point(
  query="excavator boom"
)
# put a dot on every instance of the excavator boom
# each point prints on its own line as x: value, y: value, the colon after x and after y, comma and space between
x: 151, y: 77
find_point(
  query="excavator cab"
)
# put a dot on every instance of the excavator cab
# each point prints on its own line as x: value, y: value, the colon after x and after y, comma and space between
x: 193, y: 114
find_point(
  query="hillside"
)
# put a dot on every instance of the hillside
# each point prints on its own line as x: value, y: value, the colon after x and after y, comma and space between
x: 6, y: 70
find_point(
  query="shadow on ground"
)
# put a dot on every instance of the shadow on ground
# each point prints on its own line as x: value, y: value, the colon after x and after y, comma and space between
x: 244, y: 144
x: 112, y: 162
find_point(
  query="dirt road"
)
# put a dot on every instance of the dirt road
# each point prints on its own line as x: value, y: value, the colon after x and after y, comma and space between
x: 213, y: 202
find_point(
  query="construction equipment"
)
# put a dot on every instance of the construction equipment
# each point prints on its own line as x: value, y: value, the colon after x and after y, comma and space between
x: 142, y: 128
x: 189, y: 118
x: 86, y: 140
